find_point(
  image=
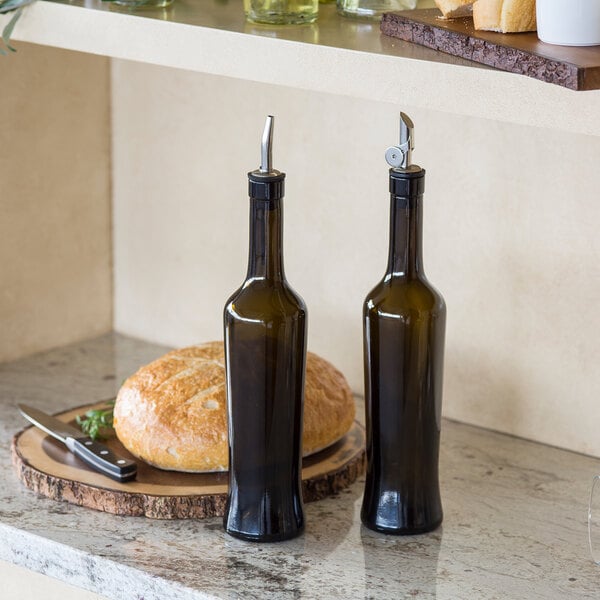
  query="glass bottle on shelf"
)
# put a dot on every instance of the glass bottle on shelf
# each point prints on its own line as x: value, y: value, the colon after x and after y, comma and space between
x: 281, y: 12
x: 142, y: 4
x: 372, y: 9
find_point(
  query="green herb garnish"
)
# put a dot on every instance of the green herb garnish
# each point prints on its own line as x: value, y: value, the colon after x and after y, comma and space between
x: 97, y: 423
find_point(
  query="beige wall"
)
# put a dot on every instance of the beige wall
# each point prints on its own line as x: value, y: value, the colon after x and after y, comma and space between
x: 511, y: 235
x: 55, y: 241
x: 511, y: 216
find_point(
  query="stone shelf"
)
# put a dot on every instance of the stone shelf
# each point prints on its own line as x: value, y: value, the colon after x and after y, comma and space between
x: 341, y: 56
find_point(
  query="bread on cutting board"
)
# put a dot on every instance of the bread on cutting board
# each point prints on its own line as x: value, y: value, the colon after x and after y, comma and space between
x: 453, y: 9
x: 505, y: 16
x: 172, y: 413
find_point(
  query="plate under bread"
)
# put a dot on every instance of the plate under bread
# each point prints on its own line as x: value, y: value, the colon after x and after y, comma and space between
x: 47, y: 467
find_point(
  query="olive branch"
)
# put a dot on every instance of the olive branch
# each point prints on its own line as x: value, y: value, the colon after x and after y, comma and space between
x: 7, y: 6
x: 17, y: 6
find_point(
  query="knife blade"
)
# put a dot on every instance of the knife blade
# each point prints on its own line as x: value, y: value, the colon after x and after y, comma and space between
x: 96, y: 455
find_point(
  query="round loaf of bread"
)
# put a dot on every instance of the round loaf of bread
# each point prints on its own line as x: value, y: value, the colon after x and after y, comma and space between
x: 172, y: 413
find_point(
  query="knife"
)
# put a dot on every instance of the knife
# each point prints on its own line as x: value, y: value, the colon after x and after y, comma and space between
x: 96, y: 455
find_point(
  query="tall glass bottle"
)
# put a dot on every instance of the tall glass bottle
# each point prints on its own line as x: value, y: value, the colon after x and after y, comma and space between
x: 404, y: 325
x: 265, y: 351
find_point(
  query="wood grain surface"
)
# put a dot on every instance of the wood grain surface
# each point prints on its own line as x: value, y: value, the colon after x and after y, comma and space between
x: 45, y: 466
x: 576, y: 68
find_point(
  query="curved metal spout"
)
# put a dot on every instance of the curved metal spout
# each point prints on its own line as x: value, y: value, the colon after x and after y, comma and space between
x: 266, y: 147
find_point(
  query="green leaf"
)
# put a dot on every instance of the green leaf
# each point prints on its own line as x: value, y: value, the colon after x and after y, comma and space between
x: 9, y: 5
x: 97, y: 422
x: 8, y: 30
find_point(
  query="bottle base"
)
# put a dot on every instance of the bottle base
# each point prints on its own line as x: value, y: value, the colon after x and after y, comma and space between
x: 281, y: 18
x: 402, y: 530
x: 264, y: 538
x: 143, y: 4
x: 372, y: 9
x: 372, y: 15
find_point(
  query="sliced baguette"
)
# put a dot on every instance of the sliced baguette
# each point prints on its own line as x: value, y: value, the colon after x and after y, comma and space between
x: 505, y: 16
x: 452, y: 9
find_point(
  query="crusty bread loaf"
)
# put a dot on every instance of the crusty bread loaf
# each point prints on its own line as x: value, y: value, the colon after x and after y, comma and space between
x: 506, y: 16
x: 172, y: 413
x: 452, y: 9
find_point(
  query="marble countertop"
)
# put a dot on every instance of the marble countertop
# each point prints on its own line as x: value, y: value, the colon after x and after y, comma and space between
x: 515, y: 523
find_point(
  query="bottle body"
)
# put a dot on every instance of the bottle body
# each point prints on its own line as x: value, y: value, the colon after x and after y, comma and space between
x: 281, y: 12
x: 404, y: 321
x: 265, y: 350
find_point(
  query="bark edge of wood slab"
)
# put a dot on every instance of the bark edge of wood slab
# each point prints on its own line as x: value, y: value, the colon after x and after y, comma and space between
x: 46, y: 467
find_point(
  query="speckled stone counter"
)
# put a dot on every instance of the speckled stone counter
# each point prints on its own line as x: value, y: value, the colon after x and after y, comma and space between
x: 514, y: 526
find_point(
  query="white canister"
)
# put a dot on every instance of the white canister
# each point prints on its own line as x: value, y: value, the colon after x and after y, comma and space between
x: 569, y: 22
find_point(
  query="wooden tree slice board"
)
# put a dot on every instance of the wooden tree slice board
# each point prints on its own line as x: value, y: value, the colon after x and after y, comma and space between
x: 576, y: 68
x: 44, y: 465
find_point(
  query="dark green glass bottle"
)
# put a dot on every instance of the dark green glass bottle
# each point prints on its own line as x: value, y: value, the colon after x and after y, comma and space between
x: 404, y: 321
x: 265, y: 351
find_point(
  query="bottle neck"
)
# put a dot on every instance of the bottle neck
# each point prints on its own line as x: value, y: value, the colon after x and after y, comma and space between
x: 265, y: 257
x: 405, y: 258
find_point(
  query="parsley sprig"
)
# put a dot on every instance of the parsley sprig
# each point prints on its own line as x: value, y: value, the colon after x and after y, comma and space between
x: 97, y: 423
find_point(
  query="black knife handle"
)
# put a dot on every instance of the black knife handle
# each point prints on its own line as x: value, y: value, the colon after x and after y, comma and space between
x: 102, y: 459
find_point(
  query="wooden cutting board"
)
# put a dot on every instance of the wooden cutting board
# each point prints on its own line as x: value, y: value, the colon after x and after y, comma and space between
x: 44, y: 465
x: 576, y: 68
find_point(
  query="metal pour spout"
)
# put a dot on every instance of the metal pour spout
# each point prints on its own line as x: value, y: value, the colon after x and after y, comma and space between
x: 266, y: 183
x: 266, y: 147
x: 400, y: 156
